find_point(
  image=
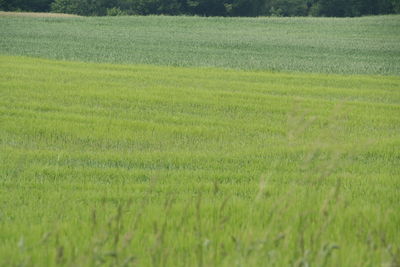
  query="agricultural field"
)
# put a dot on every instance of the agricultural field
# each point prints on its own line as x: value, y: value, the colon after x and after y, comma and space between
x: 366, y: 45
x: 179, y: 141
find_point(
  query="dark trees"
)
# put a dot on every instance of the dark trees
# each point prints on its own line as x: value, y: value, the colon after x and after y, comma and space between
x: 26, y: 5
x: 329, y: 8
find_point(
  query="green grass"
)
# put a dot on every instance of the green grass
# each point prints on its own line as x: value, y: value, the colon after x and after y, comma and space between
x: 106, y: 164
x: 367, y: 45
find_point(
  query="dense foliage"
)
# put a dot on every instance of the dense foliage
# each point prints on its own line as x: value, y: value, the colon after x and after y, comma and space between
x: 331, y: 8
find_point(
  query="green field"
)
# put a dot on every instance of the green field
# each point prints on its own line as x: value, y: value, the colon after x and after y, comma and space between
x: 164, y: 165
x: 367, y: 45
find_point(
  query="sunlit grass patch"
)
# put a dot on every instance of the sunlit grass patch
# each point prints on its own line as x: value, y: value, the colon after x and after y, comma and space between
x: 148, y: 165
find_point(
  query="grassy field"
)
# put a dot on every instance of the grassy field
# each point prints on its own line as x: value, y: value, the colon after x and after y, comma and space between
x: 368, y: 45
x: 208, y: 141
x: 36, y: 14
x: 118, y: 165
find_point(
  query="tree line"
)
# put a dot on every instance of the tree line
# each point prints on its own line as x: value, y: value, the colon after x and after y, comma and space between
x: 249, y: 8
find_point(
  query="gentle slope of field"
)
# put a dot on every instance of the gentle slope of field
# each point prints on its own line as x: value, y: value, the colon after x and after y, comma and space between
x: 368, y: 45
x: 35, y: 15
x: 116, y: 164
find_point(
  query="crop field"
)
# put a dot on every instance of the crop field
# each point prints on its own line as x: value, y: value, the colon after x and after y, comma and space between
x: 116, y: 152
x: 367, y: 45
